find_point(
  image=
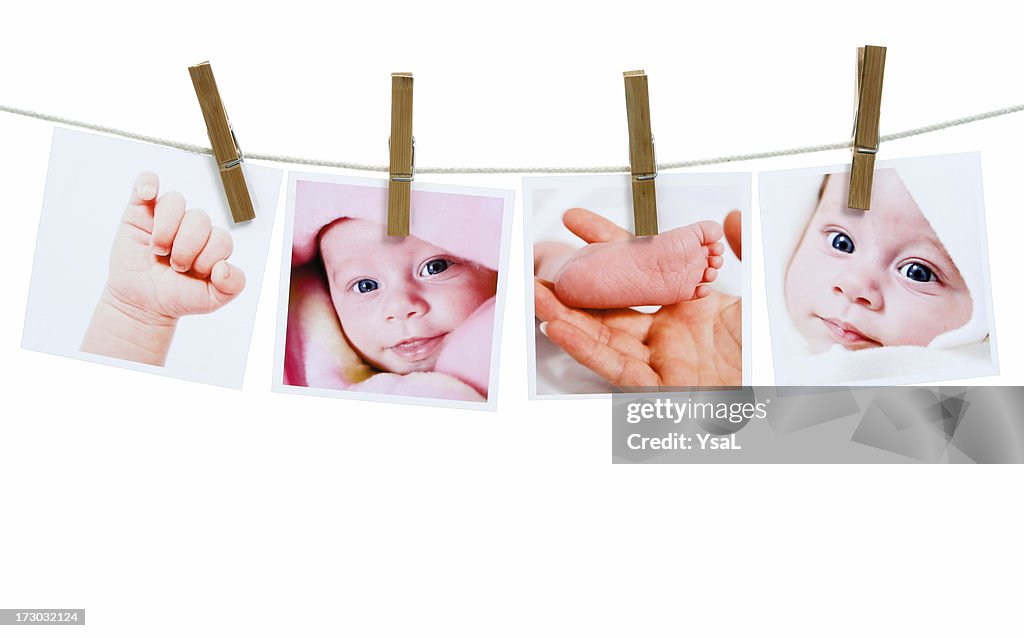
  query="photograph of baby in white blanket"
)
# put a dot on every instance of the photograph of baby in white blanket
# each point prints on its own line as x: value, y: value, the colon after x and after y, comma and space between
x: 897, y: 293
x: 378, y: 315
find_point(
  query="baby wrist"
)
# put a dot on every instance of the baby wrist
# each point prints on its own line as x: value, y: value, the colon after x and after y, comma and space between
x: 124, y: 331
x: 134, y: 313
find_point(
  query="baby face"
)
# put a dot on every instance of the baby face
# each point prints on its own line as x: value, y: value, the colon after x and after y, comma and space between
x: 874, y: 278
x: 398, y: 299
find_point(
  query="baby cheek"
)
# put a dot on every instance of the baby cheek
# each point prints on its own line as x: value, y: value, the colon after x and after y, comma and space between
x: 359, y: 326
x: 916, y: 320
x: 474, y: 291
x: 961, y: 307
x: 462, y: 303
x: 800, y: 284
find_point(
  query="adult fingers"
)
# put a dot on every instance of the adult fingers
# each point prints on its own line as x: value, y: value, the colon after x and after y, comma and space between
x: 733, y: 232
x: 167, y: 216
x: 191, y: 238
x: 549, y: 308
x: 591, y: 227
x: 218, y: 248
x: 615, y: 366
x: 545, y: 304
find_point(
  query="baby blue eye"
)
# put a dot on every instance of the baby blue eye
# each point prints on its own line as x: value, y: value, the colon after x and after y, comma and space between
x: 435, y: 267
x: 840, y: 241
x: 917, y: 272
x: 365, y: 285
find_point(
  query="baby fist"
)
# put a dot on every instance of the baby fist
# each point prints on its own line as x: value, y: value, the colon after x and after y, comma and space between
x: 168, y: 261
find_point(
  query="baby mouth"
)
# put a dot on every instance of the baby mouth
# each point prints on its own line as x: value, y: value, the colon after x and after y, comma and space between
x: 847, y: 334
x: 418, y: 348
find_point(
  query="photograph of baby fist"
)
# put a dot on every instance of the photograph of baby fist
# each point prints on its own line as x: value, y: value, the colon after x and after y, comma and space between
x: 160, y: 279
x: 167, y: 262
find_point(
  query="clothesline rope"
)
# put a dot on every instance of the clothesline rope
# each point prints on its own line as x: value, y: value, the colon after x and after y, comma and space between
x: 497, y: 170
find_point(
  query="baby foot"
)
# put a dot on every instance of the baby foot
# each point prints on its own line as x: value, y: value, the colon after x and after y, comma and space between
x: 648, y: 271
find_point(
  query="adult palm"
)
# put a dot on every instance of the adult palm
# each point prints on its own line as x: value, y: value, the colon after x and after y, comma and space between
x: 689, y: 343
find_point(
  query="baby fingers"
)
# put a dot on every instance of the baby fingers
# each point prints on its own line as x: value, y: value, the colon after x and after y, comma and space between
x: 228, y: 280
x: 147, y: 185
x: 167, y: 216
x: 218, y: 248
x: 139, y: 211
x: 191, y: 238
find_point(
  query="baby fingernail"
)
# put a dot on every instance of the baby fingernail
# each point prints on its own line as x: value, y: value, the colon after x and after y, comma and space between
x: 147, y: 191
x: 161, y: 251
x: 543, y: 328
x: 178, y: 267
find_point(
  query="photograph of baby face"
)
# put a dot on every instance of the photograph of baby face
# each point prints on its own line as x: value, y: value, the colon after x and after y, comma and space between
x: 897, y: 292
x: 408, y: 319
x: 614, y: 313
x: 162, y: 281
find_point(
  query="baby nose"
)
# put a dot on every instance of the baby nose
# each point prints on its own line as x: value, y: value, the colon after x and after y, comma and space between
x: 860, y: 288
x: 405, y: 304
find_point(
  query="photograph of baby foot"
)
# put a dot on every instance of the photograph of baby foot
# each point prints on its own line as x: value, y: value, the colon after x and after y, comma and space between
x: 611, y: 312
x: 138, y: 263
x: 899, y: 293
x: 412, y: 319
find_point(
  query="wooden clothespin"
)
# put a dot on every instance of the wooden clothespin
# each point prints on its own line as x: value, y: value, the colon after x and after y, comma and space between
x: 643, y: 164
x: 225, y: 145
x: 870, y: 68
x: 403, y: 155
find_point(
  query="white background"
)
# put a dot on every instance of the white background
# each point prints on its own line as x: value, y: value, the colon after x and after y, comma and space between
x: 170, y: 508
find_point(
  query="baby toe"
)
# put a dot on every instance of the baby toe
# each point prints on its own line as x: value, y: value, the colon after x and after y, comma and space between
x: 715, y: 261
x: 710, y: 231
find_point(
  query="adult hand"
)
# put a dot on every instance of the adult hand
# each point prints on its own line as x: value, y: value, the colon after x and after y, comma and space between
x: 690, y: 343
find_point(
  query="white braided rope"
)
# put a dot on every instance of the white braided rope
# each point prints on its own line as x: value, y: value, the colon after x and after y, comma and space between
x: 498, y: 170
